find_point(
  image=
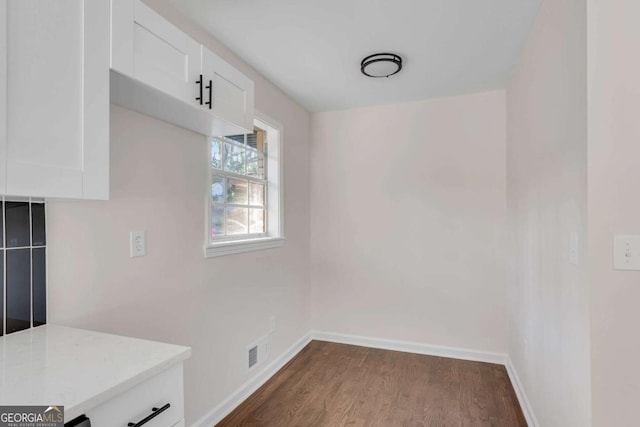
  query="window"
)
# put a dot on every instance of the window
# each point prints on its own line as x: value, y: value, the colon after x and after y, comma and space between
x: 244, y: 209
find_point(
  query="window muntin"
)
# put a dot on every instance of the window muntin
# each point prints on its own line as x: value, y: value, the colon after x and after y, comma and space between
x: 239, y: 186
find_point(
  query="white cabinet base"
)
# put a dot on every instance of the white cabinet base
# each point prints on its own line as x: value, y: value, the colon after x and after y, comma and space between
x: 137, y: 96
x: 135, y: 404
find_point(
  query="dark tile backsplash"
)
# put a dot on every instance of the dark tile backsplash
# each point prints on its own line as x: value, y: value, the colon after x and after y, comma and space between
x: 17, y: 227
x: 23, y: 302
x: 39, y: 237
x: 2, y: 245
x: 2, y: 293
x: 39, y: 272
x: 18, y: 289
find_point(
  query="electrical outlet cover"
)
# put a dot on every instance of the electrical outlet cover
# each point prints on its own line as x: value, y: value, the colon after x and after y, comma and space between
x: 138, y: 244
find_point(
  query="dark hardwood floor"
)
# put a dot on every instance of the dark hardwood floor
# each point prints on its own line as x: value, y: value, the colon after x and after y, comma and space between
x: 329, y: 384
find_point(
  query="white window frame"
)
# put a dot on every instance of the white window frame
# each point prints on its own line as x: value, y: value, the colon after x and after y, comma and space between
x: 274, y: 209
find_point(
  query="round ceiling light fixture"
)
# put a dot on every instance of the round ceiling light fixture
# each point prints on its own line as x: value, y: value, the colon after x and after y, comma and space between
x: 381, y: 65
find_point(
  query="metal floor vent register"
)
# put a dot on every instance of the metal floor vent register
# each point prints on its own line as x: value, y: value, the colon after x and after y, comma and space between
x: 257, y: 352
x: 253, y: 356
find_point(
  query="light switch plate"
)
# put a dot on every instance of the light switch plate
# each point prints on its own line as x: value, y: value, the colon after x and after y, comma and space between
x: 626, y: 252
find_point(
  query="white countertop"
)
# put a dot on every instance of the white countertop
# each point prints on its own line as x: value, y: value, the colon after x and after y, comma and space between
x: 56, y: 365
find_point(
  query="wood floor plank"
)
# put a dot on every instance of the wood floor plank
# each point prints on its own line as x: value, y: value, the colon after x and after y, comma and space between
x: 330, y: 384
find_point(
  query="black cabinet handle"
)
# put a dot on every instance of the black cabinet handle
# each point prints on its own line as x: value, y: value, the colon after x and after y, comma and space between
x: 210, y: 88
x: 155, y: 412
x: 81, y: 421
x: 199, y: 83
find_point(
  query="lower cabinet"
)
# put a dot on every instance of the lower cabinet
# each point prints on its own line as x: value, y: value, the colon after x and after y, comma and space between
x: 157, y: 402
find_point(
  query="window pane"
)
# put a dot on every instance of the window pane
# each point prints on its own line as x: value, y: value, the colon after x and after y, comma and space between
x: 255, y: 162
x: 216, y: 154
x: 256, y: 194
x: 237, y: 191
x: 237, y: 138
x: 252, y: 140
x: 217, y: 221
x: 234, y: 158
x: 256, y: 139
x: 252, y: 163
x: 256, y: 221
x: 217, y: 189
x: 237, y: 221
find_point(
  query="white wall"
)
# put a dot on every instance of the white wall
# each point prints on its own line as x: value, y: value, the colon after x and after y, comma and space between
x: 547, y: 200
x: 614, y: 207
x: 216, y: 306
x: 407, y: 218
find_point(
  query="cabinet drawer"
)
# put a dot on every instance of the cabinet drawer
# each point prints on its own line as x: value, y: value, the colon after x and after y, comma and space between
x: 137, y: 403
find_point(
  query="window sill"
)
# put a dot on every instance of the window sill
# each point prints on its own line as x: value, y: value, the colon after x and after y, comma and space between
x: 240, y: 246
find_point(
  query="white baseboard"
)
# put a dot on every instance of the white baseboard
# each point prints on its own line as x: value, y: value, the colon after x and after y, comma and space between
x: 241, y: 394
x: 527, y: 409
x: 413, y: 347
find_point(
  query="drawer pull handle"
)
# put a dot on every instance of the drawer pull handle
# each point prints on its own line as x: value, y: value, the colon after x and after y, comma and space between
x: 199, y: 83
x: 209, y: 87
x: 155, y: 412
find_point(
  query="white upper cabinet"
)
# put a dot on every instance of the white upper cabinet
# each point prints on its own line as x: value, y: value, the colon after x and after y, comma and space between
x: 54, y: 108
x: 153, y: 51
x: 232, y: 90
x: 215, y: 98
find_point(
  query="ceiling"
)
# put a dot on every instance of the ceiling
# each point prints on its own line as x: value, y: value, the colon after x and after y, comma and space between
x: 312, y: 48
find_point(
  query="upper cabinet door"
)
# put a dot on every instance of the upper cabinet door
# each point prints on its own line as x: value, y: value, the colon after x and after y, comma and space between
x: 232, y: 91
x: 57, y: 115
x: 162, y: 72
x: 152, y: 50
